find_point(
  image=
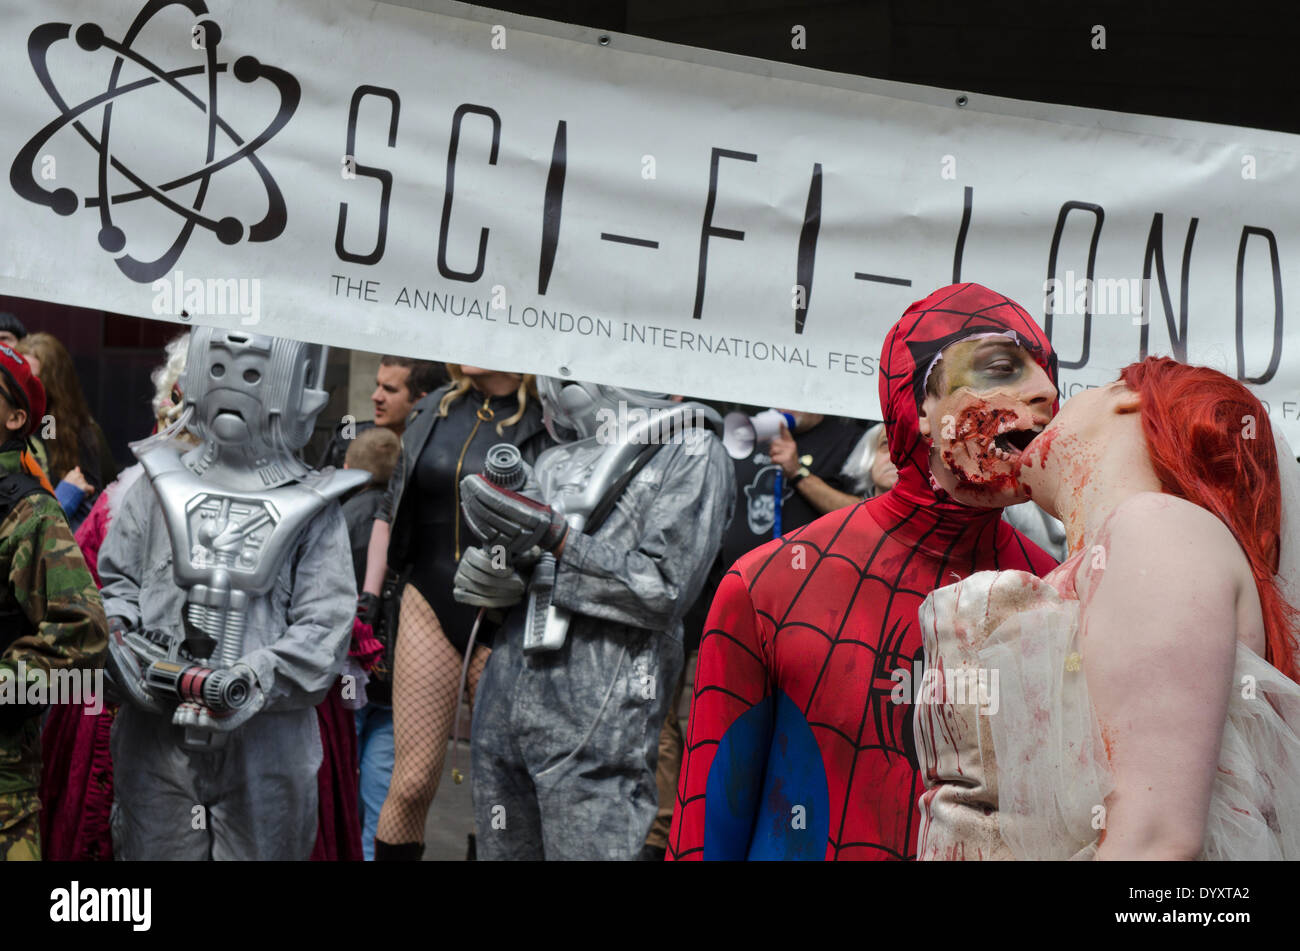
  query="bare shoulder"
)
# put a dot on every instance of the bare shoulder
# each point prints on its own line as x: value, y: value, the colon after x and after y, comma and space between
x: 1167, y: 522
x: 1152, y: 535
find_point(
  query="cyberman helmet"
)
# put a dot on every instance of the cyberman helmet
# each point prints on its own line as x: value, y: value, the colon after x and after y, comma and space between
x: 252, y: 400
x: 572, y: 410
x: 254, y: 390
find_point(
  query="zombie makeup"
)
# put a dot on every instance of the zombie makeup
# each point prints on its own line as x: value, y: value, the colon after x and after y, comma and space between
x: 986, y: 362
x: 1061, y: 459
x: 982, y: 443
x: 984, y: 412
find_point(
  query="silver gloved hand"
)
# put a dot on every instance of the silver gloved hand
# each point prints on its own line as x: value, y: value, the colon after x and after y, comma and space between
x: 199, y: 716
x: 484, y: 584
x: 513, y: 521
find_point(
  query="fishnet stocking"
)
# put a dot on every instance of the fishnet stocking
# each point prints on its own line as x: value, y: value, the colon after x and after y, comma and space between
x: 426, y: 677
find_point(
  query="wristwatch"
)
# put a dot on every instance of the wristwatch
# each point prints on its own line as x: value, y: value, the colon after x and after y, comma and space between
x: 803, y: 473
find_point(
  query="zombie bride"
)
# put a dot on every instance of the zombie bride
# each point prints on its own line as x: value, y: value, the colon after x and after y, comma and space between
x: 1140, y: 700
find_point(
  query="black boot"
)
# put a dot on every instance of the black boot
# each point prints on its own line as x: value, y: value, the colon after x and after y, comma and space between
x: 399, y: 852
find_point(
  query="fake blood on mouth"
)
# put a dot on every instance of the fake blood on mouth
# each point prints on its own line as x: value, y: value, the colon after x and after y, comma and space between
x: 977, y: 426
x: 1042, y: 445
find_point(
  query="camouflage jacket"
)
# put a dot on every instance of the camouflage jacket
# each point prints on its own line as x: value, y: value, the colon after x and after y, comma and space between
x: 46, y: 579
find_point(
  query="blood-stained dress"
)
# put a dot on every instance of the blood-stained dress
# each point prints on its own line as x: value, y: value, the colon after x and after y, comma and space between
x: 1017, y: 769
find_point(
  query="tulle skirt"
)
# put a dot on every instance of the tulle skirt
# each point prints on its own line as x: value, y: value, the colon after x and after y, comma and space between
x: 1053, y: 775
x: 1049, y: 762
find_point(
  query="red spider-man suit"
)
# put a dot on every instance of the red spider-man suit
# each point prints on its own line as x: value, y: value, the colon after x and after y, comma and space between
x: 797, y: 748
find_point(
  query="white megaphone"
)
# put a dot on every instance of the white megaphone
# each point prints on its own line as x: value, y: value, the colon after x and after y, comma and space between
x: 741, y: 433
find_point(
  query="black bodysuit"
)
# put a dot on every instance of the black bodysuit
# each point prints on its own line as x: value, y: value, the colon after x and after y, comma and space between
x: 456, y: 447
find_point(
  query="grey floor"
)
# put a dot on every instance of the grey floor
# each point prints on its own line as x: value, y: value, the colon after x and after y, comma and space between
x: 451, y: 818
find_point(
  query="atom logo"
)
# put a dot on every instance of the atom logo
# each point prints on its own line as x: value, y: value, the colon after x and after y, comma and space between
x: 206, y: 38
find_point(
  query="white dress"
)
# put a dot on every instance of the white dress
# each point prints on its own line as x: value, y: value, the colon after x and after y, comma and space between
x: 1013, y: 760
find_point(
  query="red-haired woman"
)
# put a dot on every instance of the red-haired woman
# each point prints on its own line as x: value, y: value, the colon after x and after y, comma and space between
x: 1140, y: 701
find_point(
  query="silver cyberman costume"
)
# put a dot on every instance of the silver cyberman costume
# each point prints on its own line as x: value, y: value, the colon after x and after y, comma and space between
x: 227, y: 578
x: 566, y: 725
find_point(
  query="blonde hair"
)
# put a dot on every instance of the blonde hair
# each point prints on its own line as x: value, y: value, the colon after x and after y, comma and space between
x: 461, y: 385
x: 167, y: 409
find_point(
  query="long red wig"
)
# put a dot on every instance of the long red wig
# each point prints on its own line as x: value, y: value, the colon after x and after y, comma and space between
x: 1211, y: 443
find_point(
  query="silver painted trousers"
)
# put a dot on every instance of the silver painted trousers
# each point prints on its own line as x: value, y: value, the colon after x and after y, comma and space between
x: 564, y: 744
x: 255, y: 799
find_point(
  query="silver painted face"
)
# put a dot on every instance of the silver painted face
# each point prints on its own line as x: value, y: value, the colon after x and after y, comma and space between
x: 253, y: 391
x: 572, y: 410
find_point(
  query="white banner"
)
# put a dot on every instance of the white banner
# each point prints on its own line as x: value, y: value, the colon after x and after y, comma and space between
x: 502, y: 191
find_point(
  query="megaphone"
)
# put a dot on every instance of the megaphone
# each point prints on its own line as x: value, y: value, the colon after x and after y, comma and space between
x: 741, y: 432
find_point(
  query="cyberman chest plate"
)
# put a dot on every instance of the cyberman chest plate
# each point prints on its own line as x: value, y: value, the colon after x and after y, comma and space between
x: 233, y: 533
x: 228, y: 547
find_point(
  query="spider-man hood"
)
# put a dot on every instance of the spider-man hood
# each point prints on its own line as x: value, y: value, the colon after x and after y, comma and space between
x: 949, y: 314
